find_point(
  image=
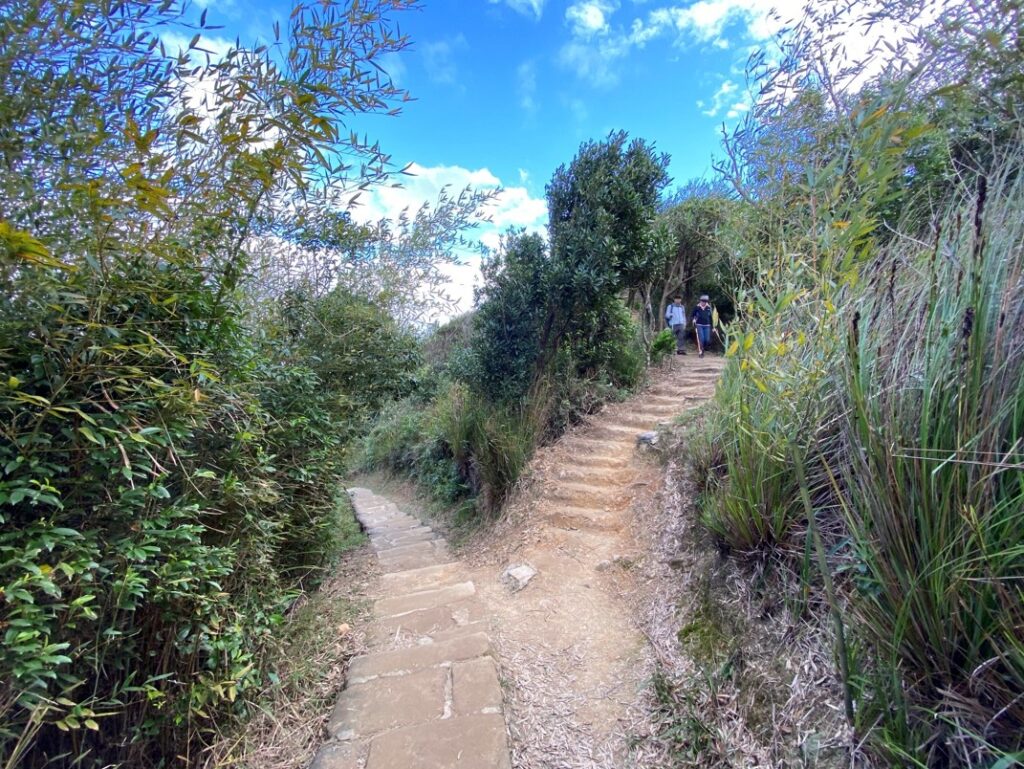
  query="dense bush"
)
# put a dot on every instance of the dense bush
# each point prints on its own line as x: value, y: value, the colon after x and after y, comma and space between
x: 168, y: 463
x: 157, y: 496
x: 455, y: 445
x: 934, y: 483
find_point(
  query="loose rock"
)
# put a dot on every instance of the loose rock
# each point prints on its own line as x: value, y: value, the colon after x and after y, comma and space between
x: 648, y: 438
x: 517, y: 577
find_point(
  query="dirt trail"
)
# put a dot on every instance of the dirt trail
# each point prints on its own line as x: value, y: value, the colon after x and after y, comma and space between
x: 571, y: 654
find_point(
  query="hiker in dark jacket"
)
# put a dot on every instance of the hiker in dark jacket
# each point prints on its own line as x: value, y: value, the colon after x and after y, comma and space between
x: 702, y: 319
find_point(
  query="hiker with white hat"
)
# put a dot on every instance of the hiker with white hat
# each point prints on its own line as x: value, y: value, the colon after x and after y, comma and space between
x: 702, y: 322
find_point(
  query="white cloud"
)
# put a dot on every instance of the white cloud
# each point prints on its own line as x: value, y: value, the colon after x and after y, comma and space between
x: 204, y: 92
x: 706, y: 21
x: 590, y: 17
x: 532, y: 8
x: 728, y: 97
x: 514, y: 207
x: 597, y: 47
x: 526, y: 79
x: 392, y: 63
x: 439, y: 59
x: 176, y: 43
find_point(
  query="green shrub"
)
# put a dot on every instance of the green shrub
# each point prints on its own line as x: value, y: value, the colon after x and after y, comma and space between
x: 663, y: 345
x: 456, y: 446
x: 935, y: 487
x: 164, y: 485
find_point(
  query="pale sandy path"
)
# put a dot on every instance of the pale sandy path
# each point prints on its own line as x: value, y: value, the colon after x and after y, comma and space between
x: 568, y: 644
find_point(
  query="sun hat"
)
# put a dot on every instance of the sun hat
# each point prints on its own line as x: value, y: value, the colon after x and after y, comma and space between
x: 704, y: 297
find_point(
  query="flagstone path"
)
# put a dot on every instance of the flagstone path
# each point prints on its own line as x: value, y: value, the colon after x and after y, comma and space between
x: 428, y: 696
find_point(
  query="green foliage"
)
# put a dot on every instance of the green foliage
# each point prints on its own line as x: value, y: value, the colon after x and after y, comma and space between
x: 167, y: 475
x: 663, y: 345
x: 153, y: 498
x: 700, y: 220
x: 508, y: 323
x: 601, y: 209
x: 867, y: 427
x: 355, y: 349
x: 456, y: 446
x: 934, y: 480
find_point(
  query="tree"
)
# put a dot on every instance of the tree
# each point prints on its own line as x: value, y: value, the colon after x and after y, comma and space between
x: 603, y: 240
x: 699, y: 225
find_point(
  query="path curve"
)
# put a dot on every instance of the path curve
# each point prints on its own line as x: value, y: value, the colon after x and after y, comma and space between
x: 565, y: 648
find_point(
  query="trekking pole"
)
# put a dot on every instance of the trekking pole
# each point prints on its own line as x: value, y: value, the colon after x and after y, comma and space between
x: 696, y: 335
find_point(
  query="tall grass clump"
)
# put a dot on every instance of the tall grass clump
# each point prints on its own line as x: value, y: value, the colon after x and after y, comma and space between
x: 455, y: 445
x: 934, y: 483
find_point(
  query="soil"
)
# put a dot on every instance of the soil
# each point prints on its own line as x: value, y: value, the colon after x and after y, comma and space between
x: 574, y: 657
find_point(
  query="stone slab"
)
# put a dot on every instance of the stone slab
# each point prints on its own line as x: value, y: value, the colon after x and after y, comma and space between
x: 413, y: 556
x: 414, y: 561
x: 384, y: 540
x: 393, y: 528
x: 398, y: 583
x: 401, y: 661
x: 416, y: 547
x: 424, y: 599
x: 366, y: 709
x: 431, y: 623
x: 466, y: 742
x: 340, y: 755
x: 475, y: 687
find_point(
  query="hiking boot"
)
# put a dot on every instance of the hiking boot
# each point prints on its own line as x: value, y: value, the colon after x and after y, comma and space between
x: 680, y: 352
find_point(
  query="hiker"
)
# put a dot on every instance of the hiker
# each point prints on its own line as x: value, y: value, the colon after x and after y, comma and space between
x: 675, y: 318
x: 702, y: 323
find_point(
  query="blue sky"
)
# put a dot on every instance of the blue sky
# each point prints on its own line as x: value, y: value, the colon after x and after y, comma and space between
x: 506, y: 90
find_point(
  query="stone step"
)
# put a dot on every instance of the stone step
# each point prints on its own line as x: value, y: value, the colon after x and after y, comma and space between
x: 459, y: 689
x: 392, y: 526
x: 425, y: 599
x: 404, y: 661
x: 465, y: 742
x: 402, y: 538
x: 644, y: 420
x: 412, y: 580
x: 413, y: 556
x: 440, y: 623
x: 604, y: 461
x: 414, y: 560
x: 582, y: 473
x: 583, y: 518
x: 584, y: 494
x: 611, y: 431
x: 366, y: 709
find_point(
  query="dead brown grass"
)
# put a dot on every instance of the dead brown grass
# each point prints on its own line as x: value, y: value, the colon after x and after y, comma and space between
x: 737, y: 679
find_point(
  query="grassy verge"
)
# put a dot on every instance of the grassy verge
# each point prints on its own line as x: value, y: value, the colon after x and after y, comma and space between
x: 876, y: 453
x: 307, y: 662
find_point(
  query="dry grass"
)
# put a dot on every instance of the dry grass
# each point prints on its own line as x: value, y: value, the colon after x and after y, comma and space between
x: 737, y: 679
x: 287, y: 723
